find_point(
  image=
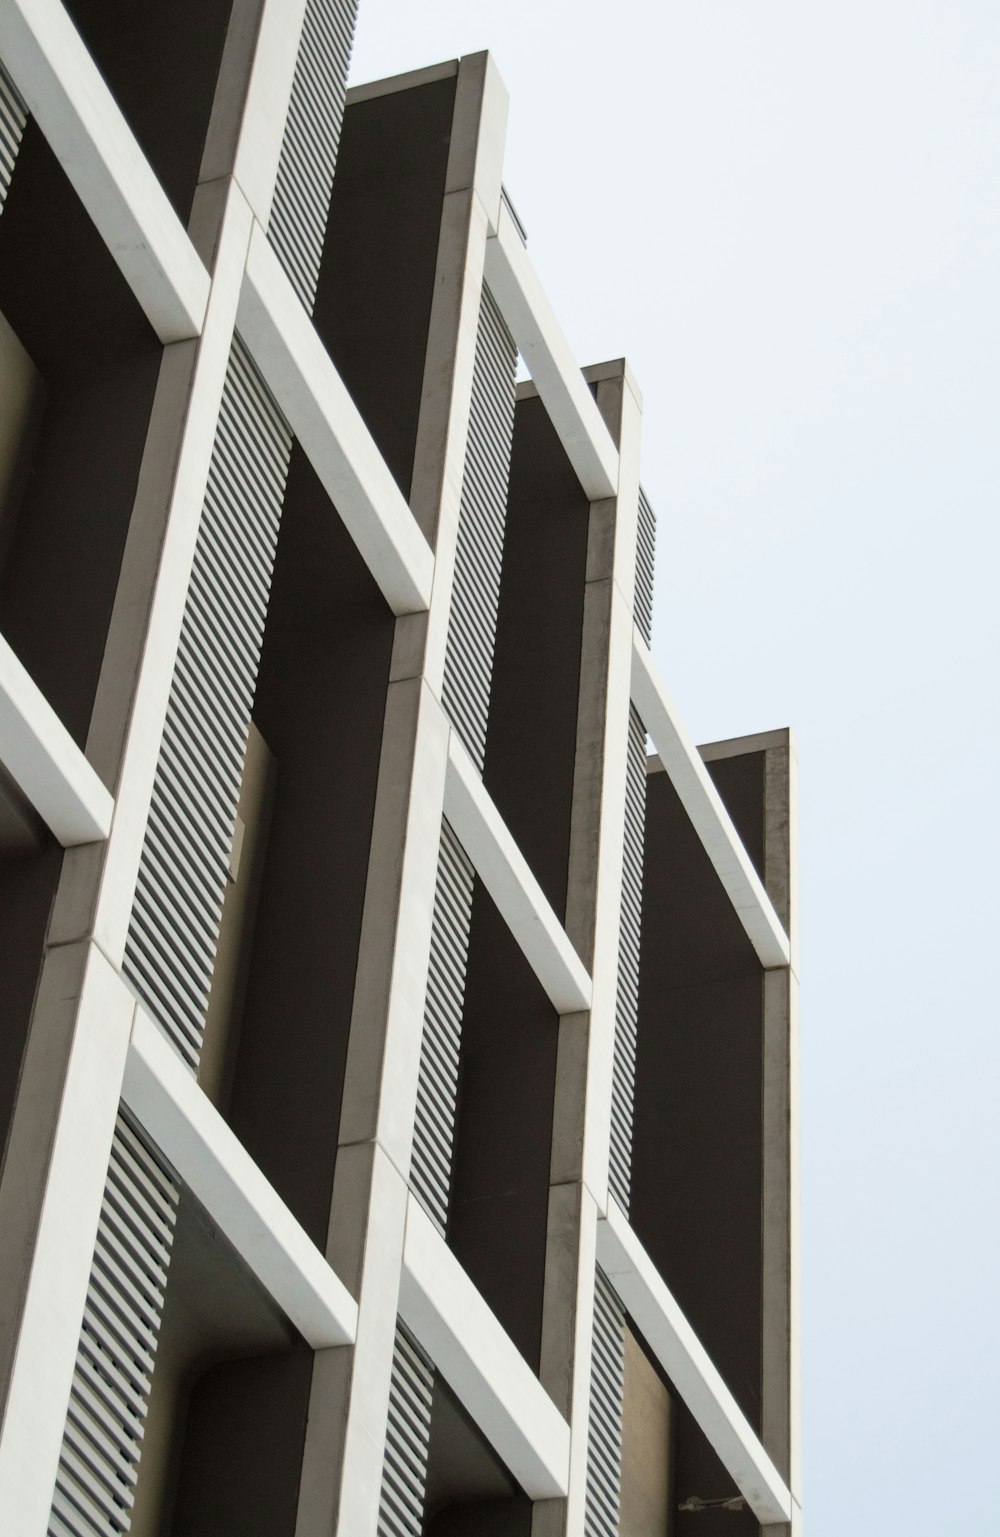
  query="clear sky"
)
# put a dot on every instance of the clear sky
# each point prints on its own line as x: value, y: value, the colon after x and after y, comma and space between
x: 786, y: 213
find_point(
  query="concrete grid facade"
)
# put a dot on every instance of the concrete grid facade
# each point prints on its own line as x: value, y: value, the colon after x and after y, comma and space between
x: 398, y: 1074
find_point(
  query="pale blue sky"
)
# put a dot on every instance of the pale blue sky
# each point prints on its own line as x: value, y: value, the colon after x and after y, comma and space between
x: 786, y: 215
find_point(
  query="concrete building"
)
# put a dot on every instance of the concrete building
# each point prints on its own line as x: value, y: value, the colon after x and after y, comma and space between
x: 397, y: 1074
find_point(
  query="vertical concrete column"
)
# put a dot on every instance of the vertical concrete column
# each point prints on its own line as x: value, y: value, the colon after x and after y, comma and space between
x: 56, y: 1159
x: 345, y: 1438
x: 582, y: 1111
x: 780, y: 1386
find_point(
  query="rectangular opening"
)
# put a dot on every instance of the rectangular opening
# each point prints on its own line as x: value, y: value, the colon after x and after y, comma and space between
x: 500, y: 1181
x: 698, y: 1133
x: 376, y: 282
x: 531, y: 738
x: 79, y: 366
x: 222, y: 1449
x: 30, y: 862
x: 161, y: 61
x: 279, y: 1015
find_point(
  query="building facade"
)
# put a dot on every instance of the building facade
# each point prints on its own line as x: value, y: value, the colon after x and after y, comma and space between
x: 398, y: 1068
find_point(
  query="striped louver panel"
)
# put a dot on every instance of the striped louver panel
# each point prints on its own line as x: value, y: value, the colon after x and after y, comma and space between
x: 437, y: 1087
x: 312, y: 135
x: 13, y: 116
x: 404, y: 1472
x: 170, y: 950
x: 107, y: 1407
x: 468, y: 669
x: 627, y: 1001
x: 604, y: 1438
x: 644, y: 567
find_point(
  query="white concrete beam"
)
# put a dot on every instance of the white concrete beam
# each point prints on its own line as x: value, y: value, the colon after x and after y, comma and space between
x: 329, y: 426
x: 94, y: 145
x: 708, y: 815
x: 193, y: 1137
x: 507, y: 877
x: 686, y: 1362
x: 546, y: 352
x: 44, y: 761
x: 447, y: 1314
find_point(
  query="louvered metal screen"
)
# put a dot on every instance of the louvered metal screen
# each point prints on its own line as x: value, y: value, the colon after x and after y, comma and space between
x: 604, y: 1438
x: 438, y: 1082
x: 107, y: 1409
x: 627, y: 999
x: 404, y: 1472
x: 468, y: 670
x: 645, y: 567
x: 312, y: 136
x: 13, y: 116
x: 170, y: 950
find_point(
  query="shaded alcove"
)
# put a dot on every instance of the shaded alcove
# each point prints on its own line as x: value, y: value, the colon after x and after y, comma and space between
x: 531, y: 738
x: 696, y: 1194
x: 275, y: 1055
x: 500, y: 1173
x: 222, y: 1447
x: 84, y: 362
x: 161, y: 61
x: 468, y: 1491
x: 376, y: 281
x: 30, y: 862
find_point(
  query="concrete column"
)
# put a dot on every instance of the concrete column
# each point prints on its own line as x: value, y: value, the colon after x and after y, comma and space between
x: 781, y: 1408
x: 345, y: 1443
x: 581, y: 1123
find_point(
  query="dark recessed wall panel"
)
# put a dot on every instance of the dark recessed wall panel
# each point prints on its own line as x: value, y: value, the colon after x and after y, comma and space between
x: 27, y: 887
x: 160, y: 60
x: 696, y: 1201
x: 740, y: 782
x: 242, y: 1458
x: 531, y: 741
x: 74, y: 314
x: 500, y: 1178
x: 376, y: 281
x: 320, y: 706
x: 699, y: 1476
x: 467, y: 1489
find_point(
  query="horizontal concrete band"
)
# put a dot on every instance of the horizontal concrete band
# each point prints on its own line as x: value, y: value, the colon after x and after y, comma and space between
x: 679, y: 1351
x: 44, y: 761
x: 564, y: 391
x: 709, y: 817
x: 314, y: 399
x: 448, y: 1316
x: 162, y: 1094
x: 507, y: 877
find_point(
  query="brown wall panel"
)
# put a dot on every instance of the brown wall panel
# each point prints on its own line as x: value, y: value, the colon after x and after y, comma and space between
x: 160, y: 59
x: 319, y: 707
x: 531, y: 743
x: 500, y: 1181
x: 696, y: 1183
x: 376, y: 281
x: 74, y: 314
